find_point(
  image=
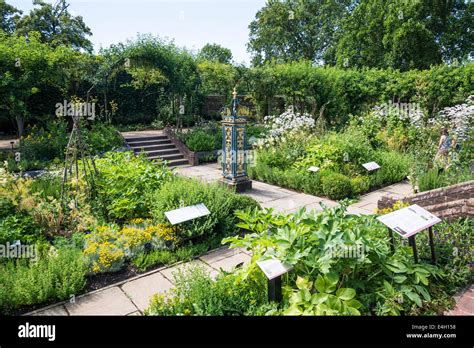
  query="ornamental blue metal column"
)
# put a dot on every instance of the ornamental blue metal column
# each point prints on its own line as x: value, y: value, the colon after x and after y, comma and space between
x: 234, y: 149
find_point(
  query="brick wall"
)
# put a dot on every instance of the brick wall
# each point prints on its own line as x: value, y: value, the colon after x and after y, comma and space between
x: 447, y: 203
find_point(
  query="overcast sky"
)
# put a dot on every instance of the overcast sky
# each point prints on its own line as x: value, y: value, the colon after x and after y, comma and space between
x: 191, y: 23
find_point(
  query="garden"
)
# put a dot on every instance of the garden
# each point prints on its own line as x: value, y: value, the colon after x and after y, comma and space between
x: 311, y: 128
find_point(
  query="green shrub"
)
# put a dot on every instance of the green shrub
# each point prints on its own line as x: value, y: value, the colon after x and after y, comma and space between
x: 437, y: 177
x: 197, y: 294
x: 200, y: 141
x: 144, y: 261
x: 394, y: 167
x: 220, y: 201
x: 313, y: 182
x: 102, y: 138
x: 360, y: 184
x: 337, y: 186
x: 19, y: 227
x: 55, y: 276
x: 124, y: 181
x: 44, y: 144
x: 190, y: 251
x: 6, y: 207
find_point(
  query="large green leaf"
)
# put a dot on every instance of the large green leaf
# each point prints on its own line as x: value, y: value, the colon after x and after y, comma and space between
x: 346, y: 293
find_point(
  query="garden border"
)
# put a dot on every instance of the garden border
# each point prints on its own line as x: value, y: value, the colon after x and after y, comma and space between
x: 121, y: 282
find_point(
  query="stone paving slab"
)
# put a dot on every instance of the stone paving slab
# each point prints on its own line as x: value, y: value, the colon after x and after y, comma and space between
x: 168, y: 272
x: 263, y: 195
x: 58, y: 310
x: 218, y: 254
x: 229, y: 263
x: 111, y: 301
x: 142, y: 289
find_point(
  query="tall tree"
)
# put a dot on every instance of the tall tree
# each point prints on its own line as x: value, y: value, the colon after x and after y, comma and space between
x: 8, y: 16
x: 215, y: 53
x: 296, y: 29
x: 56, y: 25
x: 406, y: 34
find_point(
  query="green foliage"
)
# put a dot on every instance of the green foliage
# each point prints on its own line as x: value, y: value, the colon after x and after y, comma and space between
x: 219, y: 200
x: 197, y: 294
x: 333, y: 94
x: 360, y: 184
x: 56, y: 25
x: 438, y: 177
x: 412, y: 34
x: 315, y: 244
x: 43, y: 145
x: 284, y: 30
x: 144, y: 261
x: 337, y: 186
x: 201, y: 140
x: 394, y: 167
x: 124, y: 181
x: 323, y: 299
x: 56, y: 275
x: 215, y: 53
x: 19, y: 227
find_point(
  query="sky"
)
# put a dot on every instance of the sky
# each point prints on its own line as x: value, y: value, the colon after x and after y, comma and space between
x: 190, y: 23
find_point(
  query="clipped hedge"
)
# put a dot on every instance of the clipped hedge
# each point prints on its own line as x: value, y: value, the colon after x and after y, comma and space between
x: 336, y: 93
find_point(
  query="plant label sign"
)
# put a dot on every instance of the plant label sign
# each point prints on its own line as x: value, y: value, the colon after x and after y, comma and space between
x: 313, y: 169
x: 409, y: 221
x: 371, y: 166
x: 273, y: 268
x: 187, y: 213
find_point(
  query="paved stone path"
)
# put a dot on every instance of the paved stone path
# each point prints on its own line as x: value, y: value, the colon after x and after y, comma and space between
x: 131, y: 297
x: 288, y: 201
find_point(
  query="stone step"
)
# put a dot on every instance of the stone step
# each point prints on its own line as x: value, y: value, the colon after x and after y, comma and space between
x: 150, y: 143
x: 148, y: 148
x: 166, y: 152
x: 167, y: 157
x: 173, y: 163
x: 141, y: 139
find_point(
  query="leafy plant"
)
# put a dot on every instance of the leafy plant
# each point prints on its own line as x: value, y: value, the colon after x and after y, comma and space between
x: 337, y: 186
x: 124, y: 181
x: 56, y: 274
x: 324, y: 299
x: 219, y: 200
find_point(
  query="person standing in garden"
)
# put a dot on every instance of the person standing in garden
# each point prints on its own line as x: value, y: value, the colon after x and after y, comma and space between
x: 444, y: 145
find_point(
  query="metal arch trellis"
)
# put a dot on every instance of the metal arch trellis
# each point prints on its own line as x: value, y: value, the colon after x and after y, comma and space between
x: 77, y: 150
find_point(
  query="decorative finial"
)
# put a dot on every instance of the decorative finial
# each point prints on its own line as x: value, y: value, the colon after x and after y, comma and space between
x: 234, y: 93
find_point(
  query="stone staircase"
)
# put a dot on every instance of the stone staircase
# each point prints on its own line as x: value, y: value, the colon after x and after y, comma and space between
x: 157, y: 147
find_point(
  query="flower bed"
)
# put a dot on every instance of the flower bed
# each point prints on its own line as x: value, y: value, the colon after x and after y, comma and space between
x: 326, y: 279
x: 118, y: 228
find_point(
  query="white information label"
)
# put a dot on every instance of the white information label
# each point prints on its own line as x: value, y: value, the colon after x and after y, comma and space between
x: 273, y: 268
x: 187, y: 213
x: 409, y: 221
x: 313, y: 169
x: 371, y: 166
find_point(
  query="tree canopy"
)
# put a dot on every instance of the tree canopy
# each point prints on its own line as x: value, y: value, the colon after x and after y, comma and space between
x: 56, y: 25
x: 215, y: 53
x: 400, y: 34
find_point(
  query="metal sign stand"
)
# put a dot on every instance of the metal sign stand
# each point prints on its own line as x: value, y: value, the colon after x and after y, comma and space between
x: 274, y: 289
x: 408, y: 222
